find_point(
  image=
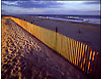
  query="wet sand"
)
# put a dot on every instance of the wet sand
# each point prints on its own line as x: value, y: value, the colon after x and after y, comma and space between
x: 89, y: 34
x: 25, y: 57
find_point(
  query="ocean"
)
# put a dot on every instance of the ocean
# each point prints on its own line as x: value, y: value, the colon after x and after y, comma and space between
x: 93, y: 19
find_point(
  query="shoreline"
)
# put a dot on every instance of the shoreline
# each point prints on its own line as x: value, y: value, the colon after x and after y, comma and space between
x: 65, y: 19
x: 59, y: 19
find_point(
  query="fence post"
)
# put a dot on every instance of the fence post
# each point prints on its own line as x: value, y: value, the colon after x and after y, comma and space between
x: 56, y: 29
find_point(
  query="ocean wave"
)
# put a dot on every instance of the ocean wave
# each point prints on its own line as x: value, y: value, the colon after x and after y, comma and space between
x: 72, y: 17
x: 86, y: 20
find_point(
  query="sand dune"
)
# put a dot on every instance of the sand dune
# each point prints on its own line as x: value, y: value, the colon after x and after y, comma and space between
x: 25, y: 57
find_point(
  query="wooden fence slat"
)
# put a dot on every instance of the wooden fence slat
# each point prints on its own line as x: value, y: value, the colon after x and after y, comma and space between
x: 72, y: 49
x: 77, y: 54
x: 91, y: 68
x: 69, y: 49
x: 90, y: 57
x: 84, y: 58
x: 94, y: 68
x: 82, y: 55
x: 87, y: 59
x: 66, y: 50
x: 61, y: 44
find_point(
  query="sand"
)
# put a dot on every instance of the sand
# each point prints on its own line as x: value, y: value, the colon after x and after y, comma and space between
x: 89, y: 34
x: 25, y: 57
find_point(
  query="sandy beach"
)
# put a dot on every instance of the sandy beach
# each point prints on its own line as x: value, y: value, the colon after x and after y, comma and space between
x: 25, y: 57
x: 89, y: 34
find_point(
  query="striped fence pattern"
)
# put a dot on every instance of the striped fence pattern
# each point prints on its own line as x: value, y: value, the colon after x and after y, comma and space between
x: 79, y: 54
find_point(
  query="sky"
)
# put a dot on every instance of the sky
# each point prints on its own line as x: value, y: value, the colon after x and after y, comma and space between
x: 51, y: 7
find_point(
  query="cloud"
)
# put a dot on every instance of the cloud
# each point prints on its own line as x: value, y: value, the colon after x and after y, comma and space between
x: 50, y: 7
x: 92, y: 2
x: 33, y: 4
x: 9, y: 2
x: 20, y: 10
